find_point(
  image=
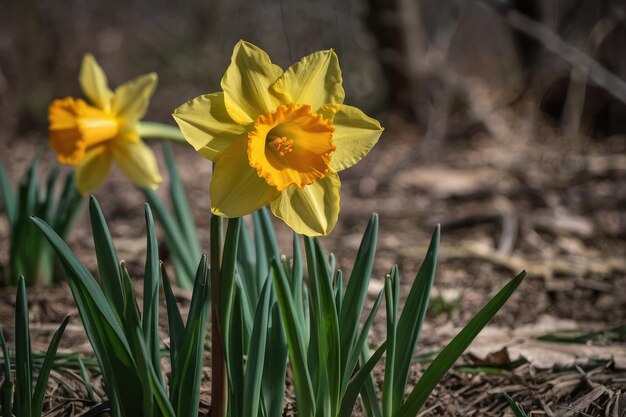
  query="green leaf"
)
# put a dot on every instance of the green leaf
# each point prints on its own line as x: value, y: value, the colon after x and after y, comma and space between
x: 357, y: 381
x: 234, y: 353
x: 356, y: 291
x: 86, y: 380
x: 102, y: 328
x: 46, y: 367
x: 517, y: 409
x: 68, y: 206
x: 23, y: 358
x: 392, y: 294
x: 275, y: 367
x: 446, y: 358
x: 295, y: 343
x: 150, y: 319
x: 256, y: 355
x: 185, y: 383
x: 108, y: 263
x: 327, y: 323
x: 412, y: 318
x: 370, y: 403
x: 8, y: 196
x: 180, y: 203
x: 174, y: 320
x: 361, y: 341
x: 7, y: 387
x: 174, y: 237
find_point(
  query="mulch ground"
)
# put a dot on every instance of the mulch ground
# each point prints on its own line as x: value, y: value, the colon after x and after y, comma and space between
x: 537, y: 203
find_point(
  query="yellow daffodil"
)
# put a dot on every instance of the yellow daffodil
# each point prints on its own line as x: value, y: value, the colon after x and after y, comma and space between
x: 279, y: 137
x: 91, y: 135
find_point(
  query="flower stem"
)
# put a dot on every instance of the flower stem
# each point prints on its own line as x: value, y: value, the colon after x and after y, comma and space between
x: 219, y: 381
x: 160, y: 131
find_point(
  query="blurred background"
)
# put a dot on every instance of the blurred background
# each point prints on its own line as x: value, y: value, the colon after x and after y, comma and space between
x: 505, y: 122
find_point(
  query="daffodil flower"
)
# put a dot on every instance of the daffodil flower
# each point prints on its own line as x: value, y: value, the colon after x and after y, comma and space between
x: 92, y: 135
x: 279, y: 137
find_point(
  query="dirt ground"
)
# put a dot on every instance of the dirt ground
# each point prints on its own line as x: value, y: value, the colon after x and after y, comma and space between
x: 549, y: 205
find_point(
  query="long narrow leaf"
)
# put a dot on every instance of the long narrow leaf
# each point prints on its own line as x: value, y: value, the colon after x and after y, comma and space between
x: 515, y: 407
x: 256, y: 355
x: 8, y: 197
x: 446, y: 358
x: 23, y: 359
x: 150, y: 319
x: 102, y: 327
x: 7, y: 388
x: 297, y: 353
x: 357, y: 381
x: 185, y: 384
x: 180, y: 203
x: 412, y: 318
x: 108, y: 263
x: 361, y: 341
x: 356, y: 291
x: 275, y: 367
x: 174, y: 319
x: 175, y: 238
x: 44, y: 372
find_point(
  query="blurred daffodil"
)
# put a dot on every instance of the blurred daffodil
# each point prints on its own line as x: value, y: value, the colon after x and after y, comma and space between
x: 279, y: 137
x: 92, y: 135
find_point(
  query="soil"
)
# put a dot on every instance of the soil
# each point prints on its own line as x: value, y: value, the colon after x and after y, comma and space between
x: 533, y: 202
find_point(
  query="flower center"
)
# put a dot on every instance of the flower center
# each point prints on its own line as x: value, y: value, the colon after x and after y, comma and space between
x: 291, y: 146
x: 75, y: 127
x: 281, y: 145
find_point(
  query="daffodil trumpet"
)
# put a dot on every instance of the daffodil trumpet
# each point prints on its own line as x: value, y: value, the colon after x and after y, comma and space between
x: 279, y: 138
x: 91, y: 133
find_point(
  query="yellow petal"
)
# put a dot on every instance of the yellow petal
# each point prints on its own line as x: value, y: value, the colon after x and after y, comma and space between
x: 206, y: 125
x: 355, y: 134
x: 313, y: 210
x: 132, y: 98
x: 314, y: 80
x: 93, y: 81
x: 137, y: 161
x: 246, y: 83
x: 236, y: 188
x: 93, y: 169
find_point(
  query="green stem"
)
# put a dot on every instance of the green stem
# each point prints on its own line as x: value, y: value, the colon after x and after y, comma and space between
x: 160, y: 131
x: 219, y: 378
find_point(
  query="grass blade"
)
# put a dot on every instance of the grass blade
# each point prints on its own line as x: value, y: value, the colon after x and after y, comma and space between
x: 46, y: 367
x: 517, y: 409
x: 86, y: 380
x: 446, y: 358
